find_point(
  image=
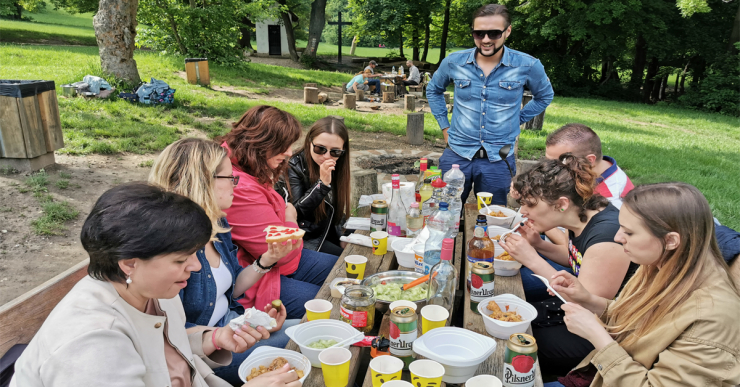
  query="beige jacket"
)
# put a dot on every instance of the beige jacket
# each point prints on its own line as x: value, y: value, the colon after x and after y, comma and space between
x: 698, y: 345
x: 95, y: 338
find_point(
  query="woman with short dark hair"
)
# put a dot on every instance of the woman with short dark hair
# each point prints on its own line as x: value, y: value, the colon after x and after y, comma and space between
x: 123, y: 325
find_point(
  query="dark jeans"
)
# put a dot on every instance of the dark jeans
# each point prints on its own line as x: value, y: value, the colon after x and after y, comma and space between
x: 481, y: 175
x: 558, y: 350
x: 402, y: 86
x: 331, y: 248
x: 303, y: 285
x: 376, y: 82
x: 534, y: 289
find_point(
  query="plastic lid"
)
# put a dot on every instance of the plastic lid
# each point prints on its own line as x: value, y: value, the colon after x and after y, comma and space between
x: 427, y: 180
x: 439, y: 183
x: 418, y: 197
x: 415, y: 204
x: 395, y: 176
x: 482, y: 219
x: 443, y: 206
x: 455, y: 165
x: 434, y: 168
x: 447, y: 245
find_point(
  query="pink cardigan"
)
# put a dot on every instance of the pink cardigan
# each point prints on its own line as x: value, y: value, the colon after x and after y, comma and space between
x: 255, y: 207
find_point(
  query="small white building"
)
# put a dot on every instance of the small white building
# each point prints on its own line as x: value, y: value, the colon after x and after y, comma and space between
x: 271, y: 38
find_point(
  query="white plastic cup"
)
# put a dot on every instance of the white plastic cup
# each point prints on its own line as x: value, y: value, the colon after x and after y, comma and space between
x: 483, y: 381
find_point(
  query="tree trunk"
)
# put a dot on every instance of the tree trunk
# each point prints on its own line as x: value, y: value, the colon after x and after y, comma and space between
x: 647, y: 89
x: 604, y: 70
x: 445, y: 28
x: 638, y: 66
x: 426, y: 43
x: 675, y: 86
x: 683, y: 76
x: 735, y: 35
x: 115, y: 31
x: 316, y: 27
x: 663, y: 84
x: 400, y: 44
x: 246, y: 40
x: 415, y: 43
x: 285, y: 16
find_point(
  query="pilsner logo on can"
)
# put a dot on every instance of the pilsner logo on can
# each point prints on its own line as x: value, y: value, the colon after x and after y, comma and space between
x: 519, y: 361
x: 401, y: 342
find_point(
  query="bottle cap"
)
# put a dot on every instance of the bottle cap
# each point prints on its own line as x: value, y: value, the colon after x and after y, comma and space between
x: 415, y: 204
x: 439, y: 183
x: 418, y: 197
x: 447, y: 246
x: 455, y: 166
x: 481, y: 219
x: 427, y: 180
x: 443, y: 206
x: 395, y: 176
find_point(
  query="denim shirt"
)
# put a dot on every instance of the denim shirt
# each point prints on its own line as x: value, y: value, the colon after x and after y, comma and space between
x: 487, y: 110
x: 199, y: 296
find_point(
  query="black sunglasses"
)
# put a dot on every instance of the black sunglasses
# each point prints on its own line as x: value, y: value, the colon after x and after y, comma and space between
x: 320, y: 150
x: 492, y: 34
x: 234, y: 179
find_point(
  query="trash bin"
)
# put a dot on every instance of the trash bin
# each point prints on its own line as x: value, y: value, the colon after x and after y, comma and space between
x: 29, y: 119
x: 196, y: 70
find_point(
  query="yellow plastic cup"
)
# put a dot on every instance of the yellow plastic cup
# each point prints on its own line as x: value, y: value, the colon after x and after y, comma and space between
x: 335, y: 366
x: 426, y: 373
x: 432, y: 317
x: 484, y: 197
x: 355, y: 265
x: 318, y: 309
x: 385, y: 368
x: 380, y: 242
x: 483, y: 381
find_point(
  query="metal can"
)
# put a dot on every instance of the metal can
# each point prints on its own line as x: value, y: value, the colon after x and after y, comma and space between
x: 357, y: 307
x: 378, y: 215
x: 403, y: 332
x: 520, y: 360
x: 481, y: 283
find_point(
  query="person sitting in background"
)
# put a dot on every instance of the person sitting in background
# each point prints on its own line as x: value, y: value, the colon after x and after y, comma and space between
x: 359, y: 82
x: 123, y: 324
x: 560, y: 193
x: 372, y: 81
x: 201, y: 170
x: 259, y: 147
x: 676, y: 321
x: 412, y: 79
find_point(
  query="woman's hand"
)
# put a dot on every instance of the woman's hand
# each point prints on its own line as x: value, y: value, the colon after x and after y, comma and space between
x: 568, y: 285
x: 325, y: 170
x: 279, y: 316
x: 281, y: 377
x: 530, y: 234
x: 279, y: 250
x: 240, y: 340
x: 519, y: 249
x: 584, y: 323
x: 291, y: 215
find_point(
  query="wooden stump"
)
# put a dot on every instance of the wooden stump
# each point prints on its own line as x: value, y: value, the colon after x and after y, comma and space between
x: 350, y: 101
x: 310, y: 95
x: 364, y: 182
x: 338, y: 118
x: 385, y: 88
x: 536, y: 122
x: 415, y: 128
x: 344, y: 88
x: 409, y: 102
x: 447, y: 97
x: 389, y: 97
x: 360, y: 94
x: 310, y: 85
x: 323, y: 97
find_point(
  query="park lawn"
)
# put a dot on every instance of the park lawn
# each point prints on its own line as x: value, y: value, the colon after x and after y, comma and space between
x: 50, y: 26
x: 651, y: 143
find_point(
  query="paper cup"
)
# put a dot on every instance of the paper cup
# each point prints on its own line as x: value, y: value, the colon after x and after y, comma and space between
x: 380, y: 242
x: 483, y: 381
x: 419, y: 258
x: 355, y: 265
x: 385, y: 368
x: 484, y: 197
x: 318, y: 309
x: 397, y: 383
x: 426, y: 373
x: 433, y: 316
x: 335, y: 366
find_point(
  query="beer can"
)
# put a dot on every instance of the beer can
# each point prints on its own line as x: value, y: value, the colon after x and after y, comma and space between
x: 520, y: 359
x: 378, y: 215
x: 403, y: 332
x: 481, y: 283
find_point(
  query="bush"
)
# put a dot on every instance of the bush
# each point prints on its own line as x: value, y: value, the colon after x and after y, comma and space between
x: 719, y: 91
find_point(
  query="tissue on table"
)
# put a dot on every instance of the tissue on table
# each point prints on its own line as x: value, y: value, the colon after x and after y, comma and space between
x: 254, y: 318
x: 367, y: 200
x: 355, y: 223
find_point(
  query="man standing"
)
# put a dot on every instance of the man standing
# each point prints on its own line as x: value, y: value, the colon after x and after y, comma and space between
x: 372, y: 79
x: 489, y: 82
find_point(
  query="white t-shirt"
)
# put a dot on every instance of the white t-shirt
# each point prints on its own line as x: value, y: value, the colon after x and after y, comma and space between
x: 223, y: 278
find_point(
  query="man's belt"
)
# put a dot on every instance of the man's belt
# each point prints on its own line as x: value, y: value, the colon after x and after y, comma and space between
x: 479, y: 154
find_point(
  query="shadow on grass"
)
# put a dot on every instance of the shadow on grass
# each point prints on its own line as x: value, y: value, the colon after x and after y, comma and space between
x: 24, y: 36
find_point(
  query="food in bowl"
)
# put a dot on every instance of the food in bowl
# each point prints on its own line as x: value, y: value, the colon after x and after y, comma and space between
x: 277, y: 363
x: 498, y: 214
x: 392, y: 292
x: 322, y: 344
x: 500, y: 315
x: 505, y: 257
x: 496, y: 238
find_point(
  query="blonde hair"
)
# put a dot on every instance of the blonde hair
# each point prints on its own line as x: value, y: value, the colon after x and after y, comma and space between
x: 188, y: 167
x: 657, y: 290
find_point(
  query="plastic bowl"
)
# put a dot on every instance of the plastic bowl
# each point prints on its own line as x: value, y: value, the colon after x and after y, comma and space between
x: 400, y: 277
x: 263, y: 356
x: 308, y: 332
x: 404, y: 259
x: 498, y: 221
x: 459, y: 350
x: 503, y: 329
x: 505, y: 268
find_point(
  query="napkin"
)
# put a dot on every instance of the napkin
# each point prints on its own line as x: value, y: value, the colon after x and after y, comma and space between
x: 254, y: 318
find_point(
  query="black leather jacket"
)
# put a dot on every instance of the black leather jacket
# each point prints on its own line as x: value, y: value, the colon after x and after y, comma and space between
x: 306, y: 197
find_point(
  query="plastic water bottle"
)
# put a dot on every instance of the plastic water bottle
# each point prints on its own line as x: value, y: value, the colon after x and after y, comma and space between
x: 429, y: 206
x: 439, y: 229
x: 393, y: 70
x: 414, y: 221
x: 443, y: 278
x: 456, y: 206
x: 455, y: 178
x: 400, y: 72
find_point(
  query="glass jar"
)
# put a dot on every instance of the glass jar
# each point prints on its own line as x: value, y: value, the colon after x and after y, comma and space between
x: 358, y: 307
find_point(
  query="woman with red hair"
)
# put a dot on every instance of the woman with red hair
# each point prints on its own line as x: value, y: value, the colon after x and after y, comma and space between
x: 259, y: 147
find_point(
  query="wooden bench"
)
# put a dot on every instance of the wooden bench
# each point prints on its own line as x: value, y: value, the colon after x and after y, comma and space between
x: 22, y: 317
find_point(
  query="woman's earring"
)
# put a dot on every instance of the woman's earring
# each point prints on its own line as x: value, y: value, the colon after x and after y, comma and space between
x: 128, y: 279
x: 562, y: 210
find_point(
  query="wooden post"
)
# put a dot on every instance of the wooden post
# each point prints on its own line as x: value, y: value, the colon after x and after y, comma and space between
x: 385, y: 88
x: 196, y: 70
x: 310, y: 95
x: 354, y: 46
x: 50, y: 120
x: 389, y: 97
x: 447, y: 97
x: 409, y: 102
x: 415, y: 128
x: 364, y: 182
x: 310, y: 85
x: 536, y: 122
x: 323, y: 97
x: 360, y: 94
x: 344, y: 88
x: 350, y: 101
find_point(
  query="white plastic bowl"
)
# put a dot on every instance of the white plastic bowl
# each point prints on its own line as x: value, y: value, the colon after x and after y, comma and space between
x: 263, y: 356
x: 308, y: 332
x: 496, y: 221
x: 503, y: 329
x: 506, y: 268
x: 459, y: 350
x: 404, y: 259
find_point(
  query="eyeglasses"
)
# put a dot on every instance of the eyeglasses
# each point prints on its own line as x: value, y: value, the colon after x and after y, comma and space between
x: 320, y: 150
x: 492, y: 34
x: 234, y: 179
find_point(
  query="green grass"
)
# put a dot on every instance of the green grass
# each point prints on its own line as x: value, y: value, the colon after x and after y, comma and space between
x: 54, y: 214
x: 370, y: 52
x: 50, y: 27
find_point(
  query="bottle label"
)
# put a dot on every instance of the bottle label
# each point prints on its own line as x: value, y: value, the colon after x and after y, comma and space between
x: 471, y: 262
x: 394, y: 229
x: 377, y: 222
x: 396, y: 184
x: 356, y: 319
x: 402, y: 338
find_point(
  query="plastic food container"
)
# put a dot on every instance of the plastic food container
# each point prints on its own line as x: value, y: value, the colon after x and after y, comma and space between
x: 339, y: 292
x: 505, y: 268
x: 503, y: 329
x: 459, y: 350
x: 498, y: 221
x: 404, y: 259
x: 263, y: 356
x: 308, y: 332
